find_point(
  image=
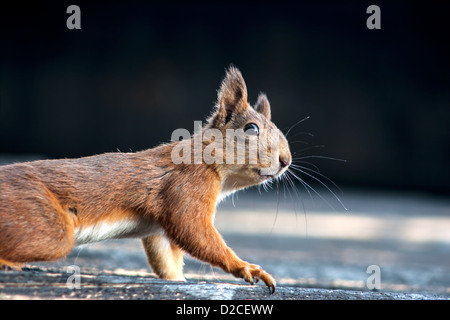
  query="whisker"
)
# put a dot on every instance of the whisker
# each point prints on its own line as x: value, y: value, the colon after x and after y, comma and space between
x: 297, y: 193
x: 298, y: 141
x: 297, y: 167
x: 308, y: 163
x: 310, y: 148
x: 301, y: 181
x: 284, y: 186
x: 232, y: 195
x: 302, y: 133
x: 298, y: 122
x: 278, y: 204
x: 291, y: 183
x: 314, y: 190
x: 324, y: 184
x: 319, y: 157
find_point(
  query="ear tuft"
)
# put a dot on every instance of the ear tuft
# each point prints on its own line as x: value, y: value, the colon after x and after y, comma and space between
x: 263, y: 106
x: 232, y: 95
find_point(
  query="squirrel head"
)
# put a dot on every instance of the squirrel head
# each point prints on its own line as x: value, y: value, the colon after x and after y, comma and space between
x: 248, y: 145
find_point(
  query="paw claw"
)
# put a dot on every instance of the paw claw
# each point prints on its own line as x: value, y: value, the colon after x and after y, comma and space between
x: 252, y: 273
x: 272, y: 289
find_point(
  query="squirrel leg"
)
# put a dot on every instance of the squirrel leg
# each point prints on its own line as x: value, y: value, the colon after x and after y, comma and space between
x: 34, y: 227
x: 6, y: 265
x: 205, y: 243
x: 165, y: 257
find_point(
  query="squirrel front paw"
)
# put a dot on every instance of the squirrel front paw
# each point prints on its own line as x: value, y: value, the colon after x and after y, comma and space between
x: 252, y: 273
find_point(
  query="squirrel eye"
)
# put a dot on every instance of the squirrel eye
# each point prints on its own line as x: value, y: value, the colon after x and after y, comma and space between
x: 251, y: 129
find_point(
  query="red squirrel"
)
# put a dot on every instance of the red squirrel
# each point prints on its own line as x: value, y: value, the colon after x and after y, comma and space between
x: 49, y: 206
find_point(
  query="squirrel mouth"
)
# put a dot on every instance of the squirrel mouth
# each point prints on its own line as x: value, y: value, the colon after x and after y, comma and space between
x: 265, y: 176
x: 270, y: 176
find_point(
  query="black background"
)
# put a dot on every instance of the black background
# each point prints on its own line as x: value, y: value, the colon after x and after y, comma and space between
x: 138, y: 70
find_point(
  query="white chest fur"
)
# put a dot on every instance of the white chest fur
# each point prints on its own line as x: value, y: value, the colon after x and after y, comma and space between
x: 223, y: 194
x: 105, y: 230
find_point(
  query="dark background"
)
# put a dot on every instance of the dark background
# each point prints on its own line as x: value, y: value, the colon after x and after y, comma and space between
x: 138, y: 70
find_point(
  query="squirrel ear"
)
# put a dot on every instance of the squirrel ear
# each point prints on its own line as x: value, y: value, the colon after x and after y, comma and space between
x: 263, y: 106
x: 232, y: 95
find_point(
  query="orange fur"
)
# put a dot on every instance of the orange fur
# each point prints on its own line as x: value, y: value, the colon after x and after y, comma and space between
x: 48, y: 206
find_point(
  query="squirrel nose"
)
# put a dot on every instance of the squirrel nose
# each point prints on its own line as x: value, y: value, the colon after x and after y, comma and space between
x: 284, y: 162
